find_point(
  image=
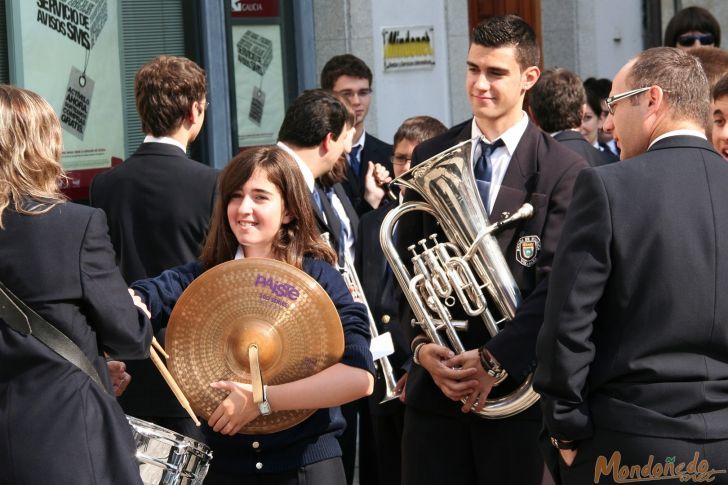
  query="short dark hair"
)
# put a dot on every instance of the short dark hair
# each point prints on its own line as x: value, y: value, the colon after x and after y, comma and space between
x: 691, y: 19
x: 681, y: 78
x: 508, y: 31
x: 418, y: 129
x: 721, y: 88
x: 556, y: 100
x: 165, y: 89
x: 714, y: 61
x: 344, y: 65
x: 597, y: 90
x: 311, y: 116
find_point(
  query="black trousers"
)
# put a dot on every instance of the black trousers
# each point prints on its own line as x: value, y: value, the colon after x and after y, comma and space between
x: 613, y: 457
x: 327, y: 472
x: 440, y: 450
x: 388, y: 431
x: 358, y: 412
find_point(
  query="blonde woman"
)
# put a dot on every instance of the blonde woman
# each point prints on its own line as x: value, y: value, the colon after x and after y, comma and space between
x: 56, y: 424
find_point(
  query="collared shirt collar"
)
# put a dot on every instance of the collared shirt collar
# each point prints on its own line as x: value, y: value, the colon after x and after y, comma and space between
x: 360, y: 141
x: 239, y: 254
x: 510, y: 137
x: 166, y: 140
x: 307, y: 174
x: 678, y: 133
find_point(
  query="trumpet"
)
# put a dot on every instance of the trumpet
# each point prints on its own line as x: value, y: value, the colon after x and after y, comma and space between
x: 357, y: 292
x: 472, y: 255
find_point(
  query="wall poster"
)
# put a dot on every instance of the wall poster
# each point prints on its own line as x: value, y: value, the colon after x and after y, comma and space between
x: 259, y: 86
x: 68, y: 52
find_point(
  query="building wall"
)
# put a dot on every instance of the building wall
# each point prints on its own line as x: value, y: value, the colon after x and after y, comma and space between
x: 591, y: 38
x: 355, y: 26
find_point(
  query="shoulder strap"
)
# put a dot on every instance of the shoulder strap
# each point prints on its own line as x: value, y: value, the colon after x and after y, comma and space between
x: 23, y: 319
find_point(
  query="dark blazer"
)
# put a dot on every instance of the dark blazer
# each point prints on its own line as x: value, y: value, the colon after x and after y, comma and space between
x: 576, y: 142
x: 608, y: 153
x: 381, y: 290
x: 56, y: 421
x: 377, y: 151
x: 635, y: 335
x: 541, y: 171
x: 158, y: 203
x: 331, y: 224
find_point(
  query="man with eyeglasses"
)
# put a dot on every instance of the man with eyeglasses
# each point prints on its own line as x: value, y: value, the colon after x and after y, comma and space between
x: 349, y: 76
x: 631, y: 356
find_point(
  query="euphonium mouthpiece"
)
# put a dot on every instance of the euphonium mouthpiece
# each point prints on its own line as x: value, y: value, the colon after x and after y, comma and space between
x: 525, y: 212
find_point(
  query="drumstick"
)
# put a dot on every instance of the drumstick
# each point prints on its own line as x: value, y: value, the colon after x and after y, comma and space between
x: 159, y: 347
x: 172, y: 384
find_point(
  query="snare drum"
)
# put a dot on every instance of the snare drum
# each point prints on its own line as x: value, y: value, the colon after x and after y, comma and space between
x: 168, y: 458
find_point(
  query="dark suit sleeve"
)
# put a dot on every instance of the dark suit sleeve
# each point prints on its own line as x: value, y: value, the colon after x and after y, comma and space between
x: 123, y: 331
x: 565, y: 350
x: 515, y: 346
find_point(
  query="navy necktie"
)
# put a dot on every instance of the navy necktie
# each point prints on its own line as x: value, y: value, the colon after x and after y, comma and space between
x: 484, y: 170
x: 354, y: 160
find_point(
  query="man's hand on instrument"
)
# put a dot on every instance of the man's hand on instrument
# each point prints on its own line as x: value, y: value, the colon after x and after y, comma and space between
x: 119, y: 377
x: 237, y: 410
x: 471, y: 360
x: 374, y: 180
x: 139, y: 303
x: 456, y: 384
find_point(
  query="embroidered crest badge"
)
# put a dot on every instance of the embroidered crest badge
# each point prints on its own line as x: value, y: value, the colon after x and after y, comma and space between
x: 527, y: 250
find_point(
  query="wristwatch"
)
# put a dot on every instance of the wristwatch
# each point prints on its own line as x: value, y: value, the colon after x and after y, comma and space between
x: 263, y: 405
x: 491, y: 365
x: 563, y: 444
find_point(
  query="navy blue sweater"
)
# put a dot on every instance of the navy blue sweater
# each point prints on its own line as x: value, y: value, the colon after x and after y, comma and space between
x: 312, y: 440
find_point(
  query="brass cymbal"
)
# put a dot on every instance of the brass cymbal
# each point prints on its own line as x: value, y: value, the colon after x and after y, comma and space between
x: 254, y: 300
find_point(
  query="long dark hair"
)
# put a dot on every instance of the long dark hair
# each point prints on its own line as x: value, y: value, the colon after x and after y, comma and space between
x: 296, y: 239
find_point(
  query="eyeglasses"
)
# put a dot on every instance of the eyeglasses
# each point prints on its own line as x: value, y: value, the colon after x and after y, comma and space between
x: 400, y: 159
x: 362, y: 93
x: 619, y: 97
x: 687, y: 40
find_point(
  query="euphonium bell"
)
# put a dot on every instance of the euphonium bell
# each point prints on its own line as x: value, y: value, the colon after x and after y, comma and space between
x: 461, y: 268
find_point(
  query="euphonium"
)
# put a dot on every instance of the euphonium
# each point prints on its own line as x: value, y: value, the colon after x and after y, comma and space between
x: 447, y: 184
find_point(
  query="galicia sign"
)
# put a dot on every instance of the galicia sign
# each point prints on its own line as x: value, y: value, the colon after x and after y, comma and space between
x: 254, y: 8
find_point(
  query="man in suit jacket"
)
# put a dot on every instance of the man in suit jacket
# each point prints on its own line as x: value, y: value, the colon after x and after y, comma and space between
x: 631, y: 356
x: 158, y: 203
x: 556, y: 104
x: 529, y: 166
x: 350, y: 77
x: 317, y: 131
x: 382, y: 290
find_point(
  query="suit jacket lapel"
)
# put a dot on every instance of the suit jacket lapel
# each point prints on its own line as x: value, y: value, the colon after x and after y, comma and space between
x: 519, y: 181
x: 348, y: 208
